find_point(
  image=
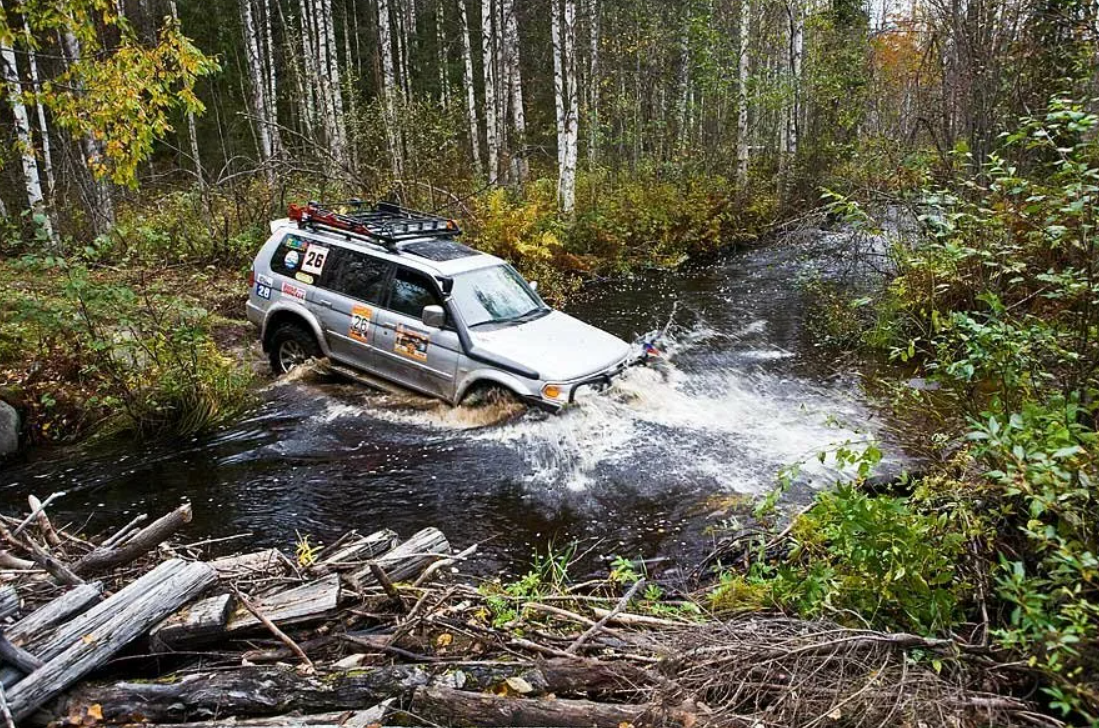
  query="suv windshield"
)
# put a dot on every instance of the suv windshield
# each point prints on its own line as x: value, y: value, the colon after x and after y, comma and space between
x: 494, y: 295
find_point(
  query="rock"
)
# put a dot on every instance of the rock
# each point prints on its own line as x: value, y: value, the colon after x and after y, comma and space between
x: 9, y: 430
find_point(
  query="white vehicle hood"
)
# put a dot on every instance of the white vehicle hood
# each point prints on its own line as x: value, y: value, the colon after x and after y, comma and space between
x: 557, y: 346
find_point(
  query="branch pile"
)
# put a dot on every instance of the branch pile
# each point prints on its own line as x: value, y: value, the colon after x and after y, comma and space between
x: 374, y: 630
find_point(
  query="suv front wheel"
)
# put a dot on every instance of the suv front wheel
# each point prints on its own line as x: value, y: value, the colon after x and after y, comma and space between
x: 292, y: 345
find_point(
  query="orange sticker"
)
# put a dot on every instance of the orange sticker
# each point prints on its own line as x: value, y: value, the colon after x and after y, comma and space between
x: 360, y: 323
x: 411, y: 343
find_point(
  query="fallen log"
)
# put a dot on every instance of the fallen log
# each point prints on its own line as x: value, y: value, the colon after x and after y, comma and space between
x: 179, y: 582
x: 407, y: 560
x: 55, y: 612
x: 251, y: 564
x: 340, y: 719
x: 9, y: 602
x: 353, y: 552
x: 102, y: 559
x: 273, y: 690
x: 200, y: 621
x: 447, y: 706
x: 38, y: 509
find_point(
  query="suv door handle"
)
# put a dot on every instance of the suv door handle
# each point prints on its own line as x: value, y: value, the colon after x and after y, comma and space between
x: 322, y: 302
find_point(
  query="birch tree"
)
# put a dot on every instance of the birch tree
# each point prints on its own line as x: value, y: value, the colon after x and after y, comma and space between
x: 594, y: 82
x: 488, y: 56
x: 40, y: 109
x: 559, y: 100
x: 258, y: 87
x: 742, y: 147
x: 566, y: 100
x: 31, y: 182
x: 389, y: 89
x: 520, y: 168
x: 272, y: 91
x: 471, y: 95
x: 192, y: 129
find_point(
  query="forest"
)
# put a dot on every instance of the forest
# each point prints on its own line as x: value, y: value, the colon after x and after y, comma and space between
x: 147, y: 144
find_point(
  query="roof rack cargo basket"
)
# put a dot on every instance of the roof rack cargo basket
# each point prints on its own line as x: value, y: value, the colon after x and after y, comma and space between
x: 386, y: 224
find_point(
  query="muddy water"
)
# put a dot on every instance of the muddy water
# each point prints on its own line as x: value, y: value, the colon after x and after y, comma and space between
x: 639, y: 471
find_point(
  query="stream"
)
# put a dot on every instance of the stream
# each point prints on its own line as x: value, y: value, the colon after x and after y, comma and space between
x: 648, y: 469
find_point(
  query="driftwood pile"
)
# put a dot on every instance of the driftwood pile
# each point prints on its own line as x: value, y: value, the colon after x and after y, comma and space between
x: 372, y: 630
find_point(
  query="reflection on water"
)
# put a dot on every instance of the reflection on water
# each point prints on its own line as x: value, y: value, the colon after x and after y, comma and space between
x: 740, y: 393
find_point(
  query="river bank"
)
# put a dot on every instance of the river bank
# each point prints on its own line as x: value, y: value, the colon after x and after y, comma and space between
x: 372, y: 631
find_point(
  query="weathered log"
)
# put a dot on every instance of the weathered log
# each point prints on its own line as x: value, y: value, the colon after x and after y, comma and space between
x: 447, y: 706
x: 8, y: 561
x: 257, y: 563
x: 17, y: 657
x: 44, y: 559
x: 55, y: 612
x: 9, y: 602
x: 272, y: 690
x: 192, y: 624
x: 351, y: 553
x: 312, y: 600
x: 340, y: 719
x: 145, y: 540
x: 408, y: 559
x: 181, y: 582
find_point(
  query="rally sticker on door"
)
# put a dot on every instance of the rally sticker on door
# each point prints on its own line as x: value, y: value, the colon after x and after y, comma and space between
x: 289, y: 289
x: 411, y: 343
x: 360, y: 323
x: 315, y: 256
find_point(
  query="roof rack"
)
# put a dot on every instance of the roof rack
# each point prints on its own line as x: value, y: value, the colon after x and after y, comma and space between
x: 385, y: 224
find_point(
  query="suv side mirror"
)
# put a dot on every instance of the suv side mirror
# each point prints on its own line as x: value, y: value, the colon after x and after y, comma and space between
x: 433, y: 316
x: 533, y: 285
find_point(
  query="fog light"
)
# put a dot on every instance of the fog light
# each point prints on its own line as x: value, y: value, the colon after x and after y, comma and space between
x: 551, y: 391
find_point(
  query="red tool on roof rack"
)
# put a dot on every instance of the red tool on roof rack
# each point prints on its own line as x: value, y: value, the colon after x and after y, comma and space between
x: 386, y: 224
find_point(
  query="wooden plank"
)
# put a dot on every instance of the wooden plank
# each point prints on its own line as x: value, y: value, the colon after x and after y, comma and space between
x: 355, y: 551
x: 48, y: 644
x: 268, y: 561
x: 312, y: 600
x: 142, y: 542
x: 179, y: 583
x: 55, y: 612
x: 202, y: 620
x: 408, y: 559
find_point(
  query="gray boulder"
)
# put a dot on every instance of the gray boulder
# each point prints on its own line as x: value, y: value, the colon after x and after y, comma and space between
x: 9, y: 430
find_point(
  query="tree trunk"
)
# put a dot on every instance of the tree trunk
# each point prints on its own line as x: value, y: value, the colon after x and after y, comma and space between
x: 446, y: 706
x: 742, y: 146
x: 568, y: 184
x: 272, y: 95
x: 335, y: 85
x: 102, y: 202
x: 43, y: 127
x: 488, y: 63
x: 192, y: 129
x: 593, y: 83
x: 471, y: 96
x: 259, y: 89
x: 308, y: 70
x: 31, y: 182
x: 389, y: 82
x: 520, y: 165
x: 559, y: 100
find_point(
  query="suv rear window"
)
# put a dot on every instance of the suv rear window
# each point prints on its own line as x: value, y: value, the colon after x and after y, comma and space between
x: 412, y: 291
x: 356, y: 275
x: 289, y: 256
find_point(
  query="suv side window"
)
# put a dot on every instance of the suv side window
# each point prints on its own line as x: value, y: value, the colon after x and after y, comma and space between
x: 411, y: 292
x: 356, y: 275
x: 289, y: 255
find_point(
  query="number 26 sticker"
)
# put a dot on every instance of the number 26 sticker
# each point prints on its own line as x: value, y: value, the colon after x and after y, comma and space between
x: 360, y: 323
x: 315, y: 257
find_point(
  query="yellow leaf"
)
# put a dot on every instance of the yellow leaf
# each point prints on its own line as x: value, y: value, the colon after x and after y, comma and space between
x: 444, y: 639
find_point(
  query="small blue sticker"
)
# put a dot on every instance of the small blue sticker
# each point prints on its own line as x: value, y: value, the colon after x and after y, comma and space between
x: 292, y: 259
x: 263, y: 291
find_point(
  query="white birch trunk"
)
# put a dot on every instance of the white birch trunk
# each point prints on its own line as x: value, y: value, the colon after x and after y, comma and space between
x: 102, y: 204
x: 797, y: 41
x: 440, y: 44
x: 192, y: 129
x: 325, y: 102
x: 31, y: 182
x: 471, y: 96
x: 43, y: 127
x: 742, y: 146
x: 389, y: 82
x: 593, y: 83
x: 258, y: 87
x: 559, y: 100
x: 520, y: 166
x: 334, y: 83
x: 308, y: 75
x: 272, y: 95
x: 568, y: 184
x: 489, y: 67
x: 684, y: 82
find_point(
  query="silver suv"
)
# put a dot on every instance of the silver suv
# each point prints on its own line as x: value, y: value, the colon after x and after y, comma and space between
x: 387, y: 293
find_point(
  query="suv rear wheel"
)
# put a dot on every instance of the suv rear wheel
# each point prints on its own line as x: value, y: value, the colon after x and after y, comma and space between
x: 292, y: 345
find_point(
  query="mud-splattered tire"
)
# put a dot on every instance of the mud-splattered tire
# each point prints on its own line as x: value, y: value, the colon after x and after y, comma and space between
x: 490, y: 395
x: 291, y: 345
